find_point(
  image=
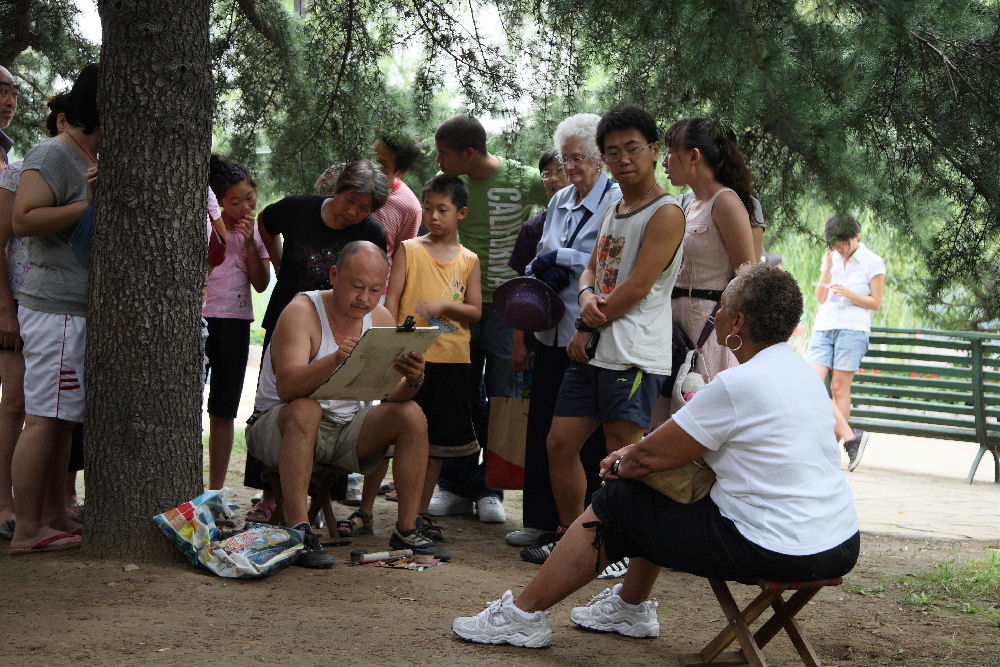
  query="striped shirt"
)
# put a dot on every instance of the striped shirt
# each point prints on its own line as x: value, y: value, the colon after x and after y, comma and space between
x: 399, y: 216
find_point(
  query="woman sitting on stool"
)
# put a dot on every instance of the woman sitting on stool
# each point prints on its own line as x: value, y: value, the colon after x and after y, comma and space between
x: 780, y: 508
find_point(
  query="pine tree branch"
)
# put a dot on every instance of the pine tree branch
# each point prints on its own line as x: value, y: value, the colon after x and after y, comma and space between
x: 952, y: 69
x: 257, y: 20
x: 21, y: 39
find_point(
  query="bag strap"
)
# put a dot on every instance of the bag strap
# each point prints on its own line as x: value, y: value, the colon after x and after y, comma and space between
x: 587, y: 215
x: 709, y: 325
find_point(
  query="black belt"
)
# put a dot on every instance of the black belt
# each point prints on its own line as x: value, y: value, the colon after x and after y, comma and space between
x: 707, y: 294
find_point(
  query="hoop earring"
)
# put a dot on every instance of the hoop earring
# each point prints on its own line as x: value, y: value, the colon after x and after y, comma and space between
x: 738, y: 346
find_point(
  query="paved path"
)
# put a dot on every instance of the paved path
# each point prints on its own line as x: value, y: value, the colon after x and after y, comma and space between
x: 910, y: 487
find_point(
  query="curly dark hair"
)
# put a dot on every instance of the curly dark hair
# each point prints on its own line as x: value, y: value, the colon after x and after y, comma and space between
x: 769, y: 299
x: 222, y: 174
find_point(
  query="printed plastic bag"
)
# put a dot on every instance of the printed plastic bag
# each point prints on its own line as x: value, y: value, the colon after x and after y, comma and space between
x: 260, y: 550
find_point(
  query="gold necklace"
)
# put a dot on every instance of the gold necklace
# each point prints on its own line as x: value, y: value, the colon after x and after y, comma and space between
x: 628, y: 209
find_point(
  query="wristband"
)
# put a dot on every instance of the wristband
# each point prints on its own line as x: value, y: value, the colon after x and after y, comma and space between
x: 581, y: 326
x: 416, y: 386
x: 580, y: 293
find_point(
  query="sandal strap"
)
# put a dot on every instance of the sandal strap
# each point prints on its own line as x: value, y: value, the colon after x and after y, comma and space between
x: 360, y: 514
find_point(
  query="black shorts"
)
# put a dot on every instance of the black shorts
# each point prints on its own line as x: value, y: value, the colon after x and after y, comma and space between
x: 227, y: 349
x: 637, y: 520
x: 444, y: 398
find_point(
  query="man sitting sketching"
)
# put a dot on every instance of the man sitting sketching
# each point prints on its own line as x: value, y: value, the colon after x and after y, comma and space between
x: 315, y: 334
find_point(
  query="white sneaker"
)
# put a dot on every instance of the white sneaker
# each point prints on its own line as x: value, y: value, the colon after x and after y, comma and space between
x: 607, y: 612
x: 353, y: 495
x: 503, y: 623
x: 615, y: 570
x: 490, y: 510
x: 445, y: 503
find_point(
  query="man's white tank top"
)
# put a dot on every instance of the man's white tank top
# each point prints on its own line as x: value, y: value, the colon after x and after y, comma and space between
x: 333, y: 410
x: 642, y: 336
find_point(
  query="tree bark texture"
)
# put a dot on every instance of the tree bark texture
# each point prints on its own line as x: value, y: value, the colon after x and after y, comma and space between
x: 147, y: 271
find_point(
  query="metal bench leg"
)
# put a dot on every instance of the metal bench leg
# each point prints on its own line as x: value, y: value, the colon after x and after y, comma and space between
x: 975, y: 465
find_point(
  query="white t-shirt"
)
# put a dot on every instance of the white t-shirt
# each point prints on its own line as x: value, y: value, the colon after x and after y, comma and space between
x: 856, y: 275
x: 769, y: 426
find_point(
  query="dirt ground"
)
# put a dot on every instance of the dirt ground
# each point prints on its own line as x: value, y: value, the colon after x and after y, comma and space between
x: 58, y: 608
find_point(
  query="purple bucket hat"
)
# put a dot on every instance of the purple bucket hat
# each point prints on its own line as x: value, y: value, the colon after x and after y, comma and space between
x: 528, y: 304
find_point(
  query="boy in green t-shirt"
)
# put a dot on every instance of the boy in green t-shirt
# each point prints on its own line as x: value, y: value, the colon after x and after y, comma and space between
x: 502, y: 195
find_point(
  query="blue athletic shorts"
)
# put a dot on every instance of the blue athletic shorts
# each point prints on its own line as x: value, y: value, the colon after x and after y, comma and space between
x: 839, y: 349
x: 609, y: 396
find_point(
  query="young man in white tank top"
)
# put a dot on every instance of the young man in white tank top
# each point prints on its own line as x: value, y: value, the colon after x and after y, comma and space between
x: 625, y: 299
x: 315, y: 334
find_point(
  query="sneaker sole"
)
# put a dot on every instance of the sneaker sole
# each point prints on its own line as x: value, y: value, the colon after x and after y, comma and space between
x: 648, y: 632
x: 851, y: 466
x: 539, y: 641
x: 543, y: 538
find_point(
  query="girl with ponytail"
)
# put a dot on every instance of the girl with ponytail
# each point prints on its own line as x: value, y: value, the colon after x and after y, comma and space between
x: 718, y: 237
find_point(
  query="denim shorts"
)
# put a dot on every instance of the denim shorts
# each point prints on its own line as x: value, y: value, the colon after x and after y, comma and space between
x: 610, y: 396
x: 839, y: 349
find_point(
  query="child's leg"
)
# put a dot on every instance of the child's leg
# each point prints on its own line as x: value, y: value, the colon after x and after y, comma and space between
x: 220, y: 448
x: 430, y: 481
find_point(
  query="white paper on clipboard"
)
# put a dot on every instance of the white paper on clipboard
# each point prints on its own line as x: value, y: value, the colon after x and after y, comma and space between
x: 368, y: 375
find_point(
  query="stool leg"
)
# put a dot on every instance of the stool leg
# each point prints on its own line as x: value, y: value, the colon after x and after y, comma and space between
x: 784, y: 617
x: 738, y: 624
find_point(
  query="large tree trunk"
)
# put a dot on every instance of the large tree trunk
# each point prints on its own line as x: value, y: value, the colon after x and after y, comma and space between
x: 147, y: 268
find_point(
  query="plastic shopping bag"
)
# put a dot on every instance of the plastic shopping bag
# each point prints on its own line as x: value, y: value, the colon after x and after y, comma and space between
x: 260, y: 550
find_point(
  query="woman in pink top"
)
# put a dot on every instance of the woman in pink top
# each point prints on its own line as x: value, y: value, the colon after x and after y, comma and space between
x: 717, y: 238
x: 228, y: 308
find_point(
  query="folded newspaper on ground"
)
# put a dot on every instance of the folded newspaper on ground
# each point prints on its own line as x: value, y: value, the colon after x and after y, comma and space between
x: 368, y: 375
x: 260, y: 550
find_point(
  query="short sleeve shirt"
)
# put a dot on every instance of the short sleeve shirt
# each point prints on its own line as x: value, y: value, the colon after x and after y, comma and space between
x: 856, y: 275
x: 17, y: 250
x: 310, y: 248
x: 498, y: 206
x: 228, y: 293
x: 57, y: 282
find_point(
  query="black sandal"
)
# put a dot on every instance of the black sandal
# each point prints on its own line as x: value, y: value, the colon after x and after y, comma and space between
x: 349, y: 528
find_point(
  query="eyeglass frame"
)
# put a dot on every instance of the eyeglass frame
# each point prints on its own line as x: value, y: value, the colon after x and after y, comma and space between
x: 632, y: 153
x: 549, y: 175
x: 575, y: 159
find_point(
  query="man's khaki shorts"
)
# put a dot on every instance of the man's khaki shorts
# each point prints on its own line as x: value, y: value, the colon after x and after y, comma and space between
x: 336, y: 443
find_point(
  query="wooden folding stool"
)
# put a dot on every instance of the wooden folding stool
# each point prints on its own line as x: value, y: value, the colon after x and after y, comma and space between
x: 323, y: 479
x: 739, y: 622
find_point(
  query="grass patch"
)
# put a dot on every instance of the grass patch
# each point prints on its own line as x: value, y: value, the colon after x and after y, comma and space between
x: 969, y: 587
x: 239, y: 442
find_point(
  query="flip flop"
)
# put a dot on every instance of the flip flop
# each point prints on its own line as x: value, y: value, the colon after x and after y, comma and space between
x: 261, y: 512
x: 392, y: 496
x: 50, y: 544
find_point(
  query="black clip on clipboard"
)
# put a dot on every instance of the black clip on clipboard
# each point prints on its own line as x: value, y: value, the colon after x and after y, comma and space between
x: 408, y: 325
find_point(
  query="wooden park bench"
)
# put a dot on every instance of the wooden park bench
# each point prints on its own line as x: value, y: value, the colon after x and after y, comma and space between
x: 931, y: 384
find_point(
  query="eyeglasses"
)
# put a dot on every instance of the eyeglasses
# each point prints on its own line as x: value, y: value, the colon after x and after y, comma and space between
x: 573, y: 160
x: 549, y: 175
x: 615, y: 157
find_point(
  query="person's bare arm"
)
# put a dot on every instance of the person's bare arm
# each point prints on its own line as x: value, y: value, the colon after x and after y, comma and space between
x: 590, y: 311
x: 35, y: 210
x: 733, y: 222
x: 823, y: 286
x: 397, y: 282
x: 10, y: 331
x: 256, y: 265
x: 664, y: 233
x: 871, y: 301
x: 758, y: 241
x: 271, y: 242
x: 296, y: 338
x: 666, y: 448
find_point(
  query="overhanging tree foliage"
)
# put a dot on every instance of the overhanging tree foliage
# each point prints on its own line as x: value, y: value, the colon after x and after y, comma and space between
x: 890, y: 105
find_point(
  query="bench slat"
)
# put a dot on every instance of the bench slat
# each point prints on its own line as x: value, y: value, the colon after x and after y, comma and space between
x: 884, y: 378
x: 938, y: 432
x: 864, y: 389
x: 920, y: 369
x: 949, y: 359
x: 915, y: 417
x: 902, y: 404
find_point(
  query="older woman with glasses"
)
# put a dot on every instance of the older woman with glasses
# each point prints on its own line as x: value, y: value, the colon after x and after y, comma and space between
x: 780, y: 508
x: 571, y: 225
